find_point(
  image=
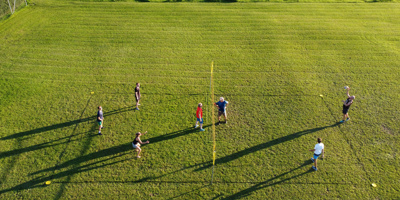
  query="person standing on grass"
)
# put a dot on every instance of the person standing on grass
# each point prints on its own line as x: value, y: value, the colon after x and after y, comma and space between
x: 318, y: 150
x: 100, y: 119
x: 222, y: 104
x: 346, y: 106
x: 137, y: 142
x: 199, y: 115
x: 137, y: 95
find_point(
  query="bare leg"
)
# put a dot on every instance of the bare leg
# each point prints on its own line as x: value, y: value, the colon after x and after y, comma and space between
x: 315, y: 163
x: 138, y: 154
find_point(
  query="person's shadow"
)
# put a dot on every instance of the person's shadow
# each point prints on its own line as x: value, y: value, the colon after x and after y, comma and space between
x: 271, y: 182
x: 64, y: 124
x: 265, y: 145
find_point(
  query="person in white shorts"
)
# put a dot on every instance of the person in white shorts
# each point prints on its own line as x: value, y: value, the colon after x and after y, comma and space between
x: 318, y: 150
x: 137, y: 142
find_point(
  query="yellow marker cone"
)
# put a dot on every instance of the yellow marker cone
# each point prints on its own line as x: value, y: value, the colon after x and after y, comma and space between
x: 48, y: 182
x: 92, y: 93
x: 321, y: 95
x: 373, y: 185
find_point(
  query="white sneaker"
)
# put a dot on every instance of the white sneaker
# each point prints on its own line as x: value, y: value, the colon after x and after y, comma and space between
x: 196, y: 126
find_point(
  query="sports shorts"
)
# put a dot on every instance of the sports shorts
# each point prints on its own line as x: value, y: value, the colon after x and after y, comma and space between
x: 137, y: 146
x: 200, y: 120
x: 221, y: 113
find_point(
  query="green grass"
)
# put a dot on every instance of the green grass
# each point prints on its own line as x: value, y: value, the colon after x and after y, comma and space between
x: 272, y: 61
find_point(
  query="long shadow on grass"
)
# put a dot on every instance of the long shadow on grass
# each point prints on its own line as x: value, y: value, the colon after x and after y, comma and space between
x: 36, y: 147
x: 208, y: 164
x: 114, y: 152
x: 65, y: 124
x: 271, y: 182
x: 259, y: 147
x: 175, y: 134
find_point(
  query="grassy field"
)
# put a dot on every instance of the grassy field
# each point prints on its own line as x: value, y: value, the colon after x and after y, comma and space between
x: 271, y: 62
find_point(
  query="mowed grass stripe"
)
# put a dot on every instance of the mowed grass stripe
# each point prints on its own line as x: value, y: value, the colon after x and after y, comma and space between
x: 272, y: 62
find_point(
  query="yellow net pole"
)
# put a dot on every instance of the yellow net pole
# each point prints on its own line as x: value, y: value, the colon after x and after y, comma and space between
x: 212, y: 118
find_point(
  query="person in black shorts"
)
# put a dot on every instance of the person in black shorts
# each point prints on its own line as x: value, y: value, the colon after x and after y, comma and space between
x: 137, y: 95
x: 346, y: 106
x: 137, y: 142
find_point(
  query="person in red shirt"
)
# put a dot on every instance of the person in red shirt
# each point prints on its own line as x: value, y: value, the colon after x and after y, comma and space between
x: 199, y: 115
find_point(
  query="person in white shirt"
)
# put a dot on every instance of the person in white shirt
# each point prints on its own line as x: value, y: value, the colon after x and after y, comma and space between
x: 318, y: 150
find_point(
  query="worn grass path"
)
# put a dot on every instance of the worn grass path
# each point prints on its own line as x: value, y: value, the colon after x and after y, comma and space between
x: 272, y: 61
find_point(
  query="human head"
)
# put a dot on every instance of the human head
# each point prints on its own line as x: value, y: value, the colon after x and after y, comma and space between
x: 221, y: 99
x: 319, y: 140
x: 353, y: 97
x: 99, y: 108
x: 138, y: 134
x: 138, y: 84
x: 200, y: 105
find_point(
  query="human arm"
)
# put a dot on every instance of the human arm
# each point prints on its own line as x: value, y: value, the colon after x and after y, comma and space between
x: 347, y: 92
x: 312, y: 150
x: 140, y: 141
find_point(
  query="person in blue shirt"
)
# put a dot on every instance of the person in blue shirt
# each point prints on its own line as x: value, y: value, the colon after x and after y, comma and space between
x: 221, y: 104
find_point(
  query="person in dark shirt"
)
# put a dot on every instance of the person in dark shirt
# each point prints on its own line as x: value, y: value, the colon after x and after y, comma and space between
x: 221, y: 104
x: 100, y: 118
x: 137, y: 142
x: 137, y: 95
x: 346, y: 106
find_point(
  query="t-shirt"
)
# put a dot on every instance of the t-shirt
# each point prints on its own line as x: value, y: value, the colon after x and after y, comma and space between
x: 99, y: 114
x: 135, y: 141
x: 318, y: 148
x: 137, y: 89
x: 221, y: 105
x: 199, y: 110
x: 346, y: 102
